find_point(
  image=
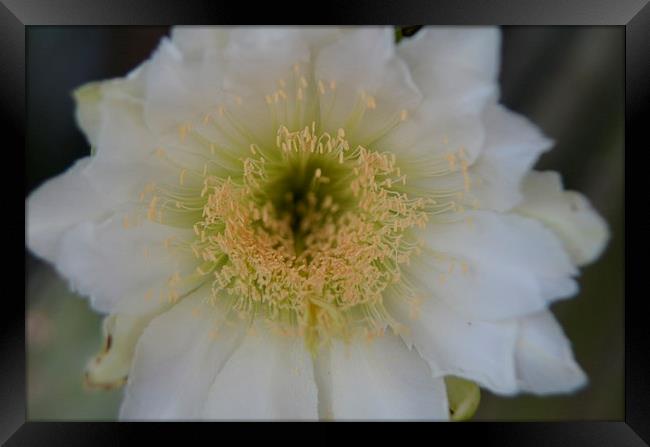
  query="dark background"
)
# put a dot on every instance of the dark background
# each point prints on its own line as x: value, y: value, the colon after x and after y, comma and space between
x: 568, y: 80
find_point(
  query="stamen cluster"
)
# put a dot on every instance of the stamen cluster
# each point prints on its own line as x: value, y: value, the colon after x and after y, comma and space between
x: 312, y: 236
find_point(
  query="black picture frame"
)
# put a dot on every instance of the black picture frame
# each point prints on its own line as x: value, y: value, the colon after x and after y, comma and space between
x: 634, y: 15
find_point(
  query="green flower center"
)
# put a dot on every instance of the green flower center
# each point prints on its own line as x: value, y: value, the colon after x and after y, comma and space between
x: 310, y: 237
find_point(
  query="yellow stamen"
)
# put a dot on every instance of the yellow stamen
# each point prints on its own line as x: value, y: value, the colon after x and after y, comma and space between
x: 328, y: 273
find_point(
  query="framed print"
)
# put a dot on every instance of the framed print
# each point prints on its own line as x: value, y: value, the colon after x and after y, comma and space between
x: 363, y: 222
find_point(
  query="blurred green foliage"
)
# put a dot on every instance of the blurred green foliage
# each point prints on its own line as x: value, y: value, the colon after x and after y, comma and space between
x: 63, y: 333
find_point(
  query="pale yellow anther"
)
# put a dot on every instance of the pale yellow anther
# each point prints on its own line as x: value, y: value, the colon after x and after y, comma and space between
x: 174, y: 279
x: 151, y: 212
x: 451, y: 159
x: 315, y: 278
x: 167, y: 242
x: 466, y: 178
x: 467, y: 183
x: 182, y: 132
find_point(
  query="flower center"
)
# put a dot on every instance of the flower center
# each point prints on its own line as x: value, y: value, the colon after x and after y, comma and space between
x: 311, y: 236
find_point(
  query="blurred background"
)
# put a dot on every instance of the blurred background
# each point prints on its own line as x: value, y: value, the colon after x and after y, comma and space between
x: 567, y: 80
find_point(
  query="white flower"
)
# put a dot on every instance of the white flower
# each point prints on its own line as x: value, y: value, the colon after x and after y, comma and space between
x: 316, y: 223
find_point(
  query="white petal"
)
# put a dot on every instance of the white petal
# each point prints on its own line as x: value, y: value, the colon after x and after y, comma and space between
x: 381, y: 379
x: 188, y: 81
x: 266, y: 69
x: 253, y: 41
x: 454, y: 64
x: 176, y: 361
x: 260, y: 64
x: 455, y: 69
x: 197, y: 41
x: 512, y: 146
x: 125, y: 159
x: 545, y: 363
x: 76, y: 220
x: 111, y: 115
x: 111, y: 366
x: 319, y: 36
x: 123, y: 270
x: 453, y: 344
x: 180, y: 89
x: 568, y: 213
x: 202, y: 72
x: 493, y: 266
x: 358, y: 58
x: 90, y: 97
x: 435, y: 130
x: 364, y: 87
x: 59, y: 204
x: 87, y: 98
x: 275, y: 49
x: 268, y: 377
